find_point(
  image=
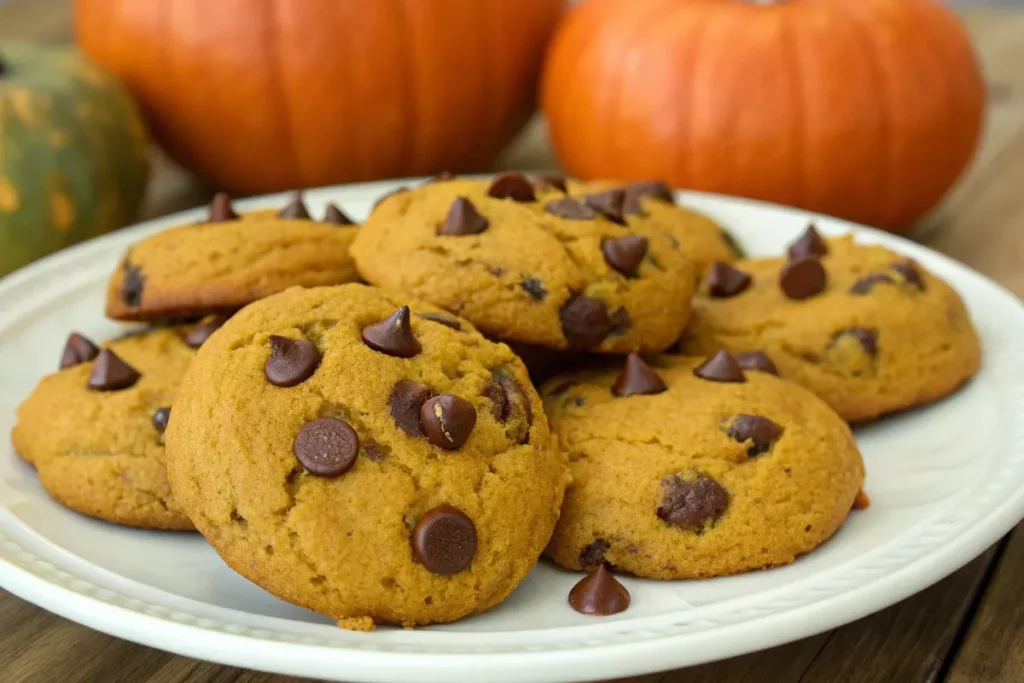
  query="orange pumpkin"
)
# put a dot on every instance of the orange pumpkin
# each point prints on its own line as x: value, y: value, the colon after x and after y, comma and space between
x: 261, y: 96
x: 865, y: 109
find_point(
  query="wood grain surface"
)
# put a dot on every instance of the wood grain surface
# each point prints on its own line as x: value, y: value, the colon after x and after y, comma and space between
x: 968, y: 628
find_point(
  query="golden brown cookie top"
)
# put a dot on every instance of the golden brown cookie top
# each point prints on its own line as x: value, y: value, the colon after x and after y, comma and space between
x: 867, y: 329
x: 230, y: 260
x: 366, y: 455
x: 534, y: 266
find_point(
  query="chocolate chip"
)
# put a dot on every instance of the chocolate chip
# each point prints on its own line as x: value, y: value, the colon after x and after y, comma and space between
x: 599, y: 594
x: 291, y: 361
x: 810, y: 244
x: 909, y: 272
x: 198, y: 335
x: 625, y: 254
x: 593, y: 553
x: 608, y: 204
x: 442, y: 320
x: 546, y: 180
x: 336, y: 216
x: 159, y: 419
x: 512, y: 186
x: 447, y: 420
x: 760, y: 431
x: 535, y: 288
x: 585, y: 322
x: 865, y: 284
x: 868, y: 339
x: 509, y: 404
x: 721, y: 367
x: 393, y: 335
x: 691, y: 503
x: 757, y: 360
x: 133, y: 284
x: 221, y: 209
x: 802, y: 278
x: 570, y: 209
x: 110, y: 373
x: 376, y: 452
x: 77, y: 349
x: 655, y: 189
x: 295, y: 209
x: 725, y: 281
x: 388, y: 195
x: 407, y: 398
x: 327, y: 447
x: 620, y: 322
x: 637, y: 377
x: 463, y: 219
x: 444, y: 540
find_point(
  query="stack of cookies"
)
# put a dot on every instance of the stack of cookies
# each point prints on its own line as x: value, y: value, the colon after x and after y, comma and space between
x: 536, y: 365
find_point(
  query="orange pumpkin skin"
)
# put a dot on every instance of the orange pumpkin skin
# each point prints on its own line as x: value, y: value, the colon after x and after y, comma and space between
x: 865, y: 109
x: 262, y: 96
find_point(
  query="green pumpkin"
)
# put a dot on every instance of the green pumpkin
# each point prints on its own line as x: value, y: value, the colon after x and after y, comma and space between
x: 72, y: 153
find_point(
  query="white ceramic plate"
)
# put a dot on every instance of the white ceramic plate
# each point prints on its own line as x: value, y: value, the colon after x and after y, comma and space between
x: 945, y: 482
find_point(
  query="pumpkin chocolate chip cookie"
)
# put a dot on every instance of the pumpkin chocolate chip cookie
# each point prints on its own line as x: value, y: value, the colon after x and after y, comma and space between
x: 230, y: 260
x: 695, y: 468
x: 865, y: 328
x: 95, y: 430
x: 366, y: 456
x: 533, y: 266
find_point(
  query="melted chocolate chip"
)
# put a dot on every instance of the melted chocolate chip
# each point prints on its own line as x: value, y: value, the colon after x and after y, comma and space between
x: 221, y: 209
x: 509, y: 405
x: 909, y: 272
x: 291, y: 361
x: 444, y: 540
x: 160, y: 418
x: 327, y: 447
x: 654, y: 189
x: 691, y: 503
x: 407, y: 398
x: 570, y: 209
x: 512, y: 186
x: 447, y: 420
x: 721, y: 367
x: 808, y: 245
x: 865, y: 284
x: 637, y: 378
x: 756, y: 360
x: 802, y: 278
x: 535, y: 288
x: 463, y: 219
x: 440, y: 319
x: 110, y: 373
x: 393, y: 335
x: 608, y: 204
x: 132, y: 285
x: 336, y: 216
x: 760, y: 431
x: 77, y: 349
x: 725, y: 281
x: 585, y: 322
x: 198, y: 335
x: 867, y: 338
x: 599, y: 594
x: 593, y: 553
x: 625, y: 254
x: 558, y: 182
x: 295, y: 209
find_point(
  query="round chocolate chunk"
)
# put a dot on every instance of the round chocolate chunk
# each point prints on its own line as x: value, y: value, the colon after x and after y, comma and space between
x: 160, y: 418
x: 132, y: 285
x: 757, y: 360
x: 463, y: 219
x: 77, y: 349
x: 512, y: 186
x: 865, y: 284
x: 599, y: 594
x: 802, y: 278
x: 393, y: 335
x: 608, y: 204
x: 760, y: 431
x: 593, y: 553
x: 725, y: 281
x: 691, y: 503
x: 625, y: 254
x: 110, y: 373
x: 585, y: 322
x: 447, y: 420
x: 407, y: 398
x: 546, y: 180
x: 570, y: 209
x: 444, y: 540
x: 867, y: 338
x: 327, y: 447
x: 810, y: 244
x: 198, y: 335
x: 221, y: 209
x: 440, y: 319
x: 291, y: 361
x: 721, y: 367
x: 909, y: 272
x: 336, y: 216
x: 637, y: 378
x: 295, y: 209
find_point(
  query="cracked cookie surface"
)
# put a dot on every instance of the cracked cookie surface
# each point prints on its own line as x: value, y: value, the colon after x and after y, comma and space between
x: 678, y: 476
x: 534, y: 265
x: 367, y: 456
x: 878, y: 334
x: 100, y: 451
x: 219, y: 266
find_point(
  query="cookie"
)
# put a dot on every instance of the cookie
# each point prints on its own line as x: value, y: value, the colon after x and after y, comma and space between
x: 95, y: 430
x: 532, y: 266
x: 367, y: 456
x: 230, y: 260
x: 691, y: 468
x: 868, y: 330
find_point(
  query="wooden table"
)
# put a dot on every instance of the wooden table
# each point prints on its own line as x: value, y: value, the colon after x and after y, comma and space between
x: 968, y: 628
